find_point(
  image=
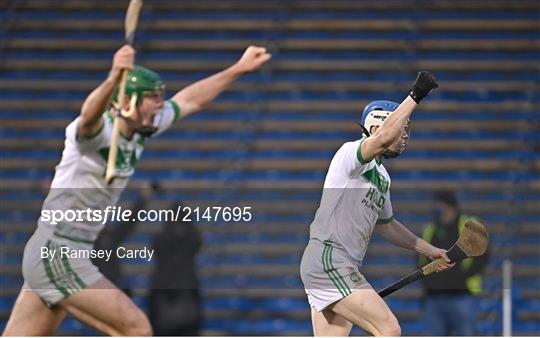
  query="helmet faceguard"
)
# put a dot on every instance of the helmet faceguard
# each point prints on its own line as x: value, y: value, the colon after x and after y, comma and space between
x: 374, y: 114
x: 141, y: 81
x: 399, y: 145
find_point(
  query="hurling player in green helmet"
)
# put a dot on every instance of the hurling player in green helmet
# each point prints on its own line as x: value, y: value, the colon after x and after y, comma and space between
x: 55, y: 284
x: 146, y: 85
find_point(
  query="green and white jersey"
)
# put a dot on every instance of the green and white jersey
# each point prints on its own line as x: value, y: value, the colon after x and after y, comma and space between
x: 79, y: 180
x: 356, y: 197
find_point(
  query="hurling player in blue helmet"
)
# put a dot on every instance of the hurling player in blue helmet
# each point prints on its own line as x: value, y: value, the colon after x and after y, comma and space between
x: 374, y: 115
x: 355, y: 202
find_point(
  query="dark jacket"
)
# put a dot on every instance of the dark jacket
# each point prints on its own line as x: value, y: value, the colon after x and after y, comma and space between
x: 465, y: 277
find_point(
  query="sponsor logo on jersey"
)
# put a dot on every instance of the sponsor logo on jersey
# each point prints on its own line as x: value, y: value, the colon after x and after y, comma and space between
x: 374, y: 200
x: 377, y: 179
x: 125, y: 158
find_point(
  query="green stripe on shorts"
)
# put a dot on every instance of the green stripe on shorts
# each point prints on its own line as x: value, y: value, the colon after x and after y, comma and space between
x: 328, y: 267
x: 50, y: 274
x: 327, y: 270
x: 347, y: 289
x: 330, y: 271
x: 61, y: 272
x: 343, y: 288
x: 70, y: 271
x: 76, y: 285
x: 60, y: 268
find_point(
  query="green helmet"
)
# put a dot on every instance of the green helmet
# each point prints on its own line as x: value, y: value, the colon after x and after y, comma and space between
x: 141, y: 81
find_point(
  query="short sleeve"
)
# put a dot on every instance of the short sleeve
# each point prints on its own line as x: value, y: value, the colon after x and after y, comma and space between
x: 89, y: 143
x: 387, y: 214
x: 349, y: 158
x: 167, y: 116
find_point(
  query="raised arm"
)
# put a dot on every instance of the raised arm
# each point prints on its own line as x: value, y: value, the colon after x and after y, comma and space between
x: 194, y: 97
x: 392, y: 127
x: 99, y: 100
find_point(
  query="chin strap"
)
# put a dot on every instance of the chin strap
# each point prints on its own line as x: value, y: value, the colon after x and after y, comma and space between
x: 364, y: 130
x: 390, y: 154
x: 145, y: 131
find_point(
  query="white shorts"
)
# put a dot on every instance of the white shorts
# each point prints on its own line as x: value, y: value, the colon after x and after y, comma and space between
x: 58, y: 278
x: 329, y: 274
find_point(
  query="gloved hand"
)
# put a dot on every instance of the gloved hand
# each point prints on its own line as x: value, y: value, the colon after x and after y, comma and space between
x: 425, y: 81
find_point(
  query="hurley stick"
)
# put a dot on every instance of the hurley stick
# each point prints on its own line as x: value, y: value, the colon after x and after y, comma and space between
x: 472, y: 242
x: 130, y: 25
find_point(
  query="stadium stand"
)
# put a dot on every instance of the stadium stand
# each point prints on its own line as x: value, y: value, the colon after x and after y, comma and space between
x: 267, y: 142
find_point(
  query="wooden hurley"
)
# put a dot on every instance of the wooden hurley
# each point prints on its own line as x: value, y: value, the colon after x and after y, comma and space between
x: 472, y: 242
x: 130, y: 25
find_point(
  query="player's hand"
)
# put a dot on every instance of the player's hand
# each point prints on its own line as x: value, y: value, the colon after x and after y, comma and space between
x: 124, y: 58
x: 425, y: 82
x: 441, y: 253
x: 252, y: 59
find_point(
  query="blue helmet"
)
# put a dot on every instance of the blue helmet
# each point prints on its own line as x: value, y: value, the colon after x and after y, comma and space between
x: 374, y: 114
x: 379, y: 105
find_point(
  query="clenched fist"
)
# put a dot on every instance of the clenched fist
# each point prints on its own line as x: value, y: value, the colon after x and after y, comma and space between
x: 424, y: 83
x: 444, y: 264
x: 124, y: 58
x: 254, y: 57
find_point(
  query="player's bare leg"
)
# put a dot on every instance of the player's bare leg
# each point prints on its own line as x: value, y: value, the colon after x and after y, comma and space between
x: 328, y: 323
x: 365, y: 308
x: 31, y: 317
x: 107, y: 309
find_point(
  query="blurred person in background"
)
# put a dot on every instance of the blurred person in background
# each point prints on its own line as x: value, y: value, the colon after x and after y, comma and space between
x: 450, y: 298
x: 175, y: 302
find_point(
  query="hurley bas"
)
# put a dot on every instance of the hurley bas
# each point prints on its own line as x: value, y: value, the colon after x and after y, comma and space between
x: 121, y: 252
